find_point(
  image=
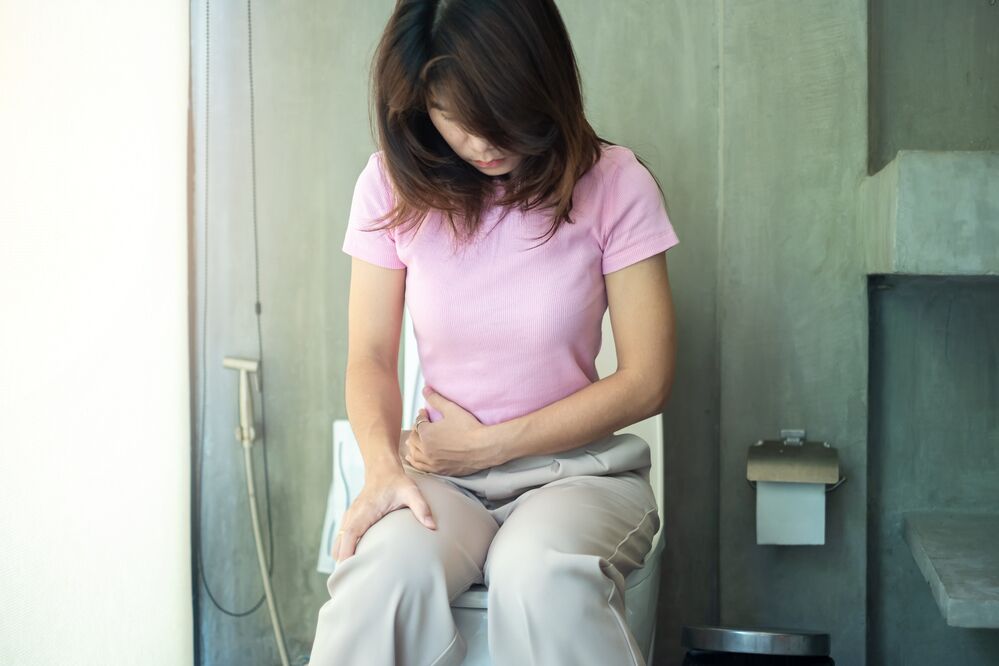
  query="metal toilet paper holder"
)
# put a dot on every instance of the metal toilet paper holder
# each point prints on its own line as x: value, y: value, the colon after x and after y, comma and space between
x: 793, y: 459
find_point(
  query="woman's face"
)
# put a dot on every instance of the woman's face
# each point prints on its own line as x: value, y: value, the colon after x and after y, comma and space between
x: 472, y: 149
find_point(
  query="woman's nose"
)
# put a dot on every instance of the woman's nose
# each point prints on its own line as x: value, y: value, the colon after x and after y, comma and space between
x: 481, y: 147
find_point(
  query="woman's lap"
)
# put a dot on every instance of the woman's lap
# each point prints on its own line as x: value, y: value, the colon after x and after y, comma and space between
x: 554, y: 557
x: 612, y: 517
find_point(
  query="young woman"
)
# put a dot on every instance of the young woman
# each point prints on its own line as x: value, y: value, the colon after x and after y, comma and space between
x: 513, y: 476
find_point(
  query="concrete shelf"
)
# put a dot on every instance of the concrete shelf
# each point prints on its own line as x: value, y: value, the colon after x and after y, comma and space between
x: 933, y: 213
x: 958, y: 554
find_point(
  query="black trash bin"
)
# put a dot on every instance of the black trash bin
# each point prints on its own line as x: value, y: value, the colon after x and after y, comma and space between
x: 768, y: 646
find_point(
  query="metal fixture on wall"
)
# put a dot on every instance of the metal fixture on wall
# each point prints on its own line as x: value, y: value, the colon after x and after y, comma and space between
x: 245, y: 434
x: 813, y: 460
x: 791, y: 476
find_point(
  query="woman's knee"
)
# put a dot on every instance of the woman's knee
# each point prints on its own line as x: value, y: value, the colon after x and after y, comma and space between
x: 389, y: 570
x: 400, y: 556
x: 398, y: 541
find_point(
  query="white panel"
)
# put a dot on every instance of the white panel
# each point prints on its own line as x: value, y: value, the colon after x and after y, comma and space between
x: 412, y: 392
x: 95, y: 552
x: 347, y: 479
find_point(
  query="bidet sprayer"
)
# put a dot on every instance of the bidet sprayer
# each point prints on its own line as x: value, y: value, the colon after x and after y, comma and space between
x: 245, y: 433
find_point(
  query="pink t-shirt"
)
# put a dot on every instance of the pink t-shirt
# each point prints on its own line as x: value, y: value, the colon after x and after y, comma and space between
x: 503, y: 329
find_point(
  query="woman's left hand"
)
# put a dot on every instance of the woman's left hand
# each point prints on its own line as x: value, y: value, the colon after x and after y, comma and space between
x: 455, y: 445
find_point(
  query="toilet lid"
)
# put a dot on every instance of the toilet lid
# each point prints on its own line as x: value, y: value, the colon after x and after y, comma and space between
x: 760, y: 640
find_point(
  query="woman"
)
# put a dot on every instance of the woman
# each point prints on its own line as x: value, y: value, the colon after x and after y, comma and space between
x: 512, y: 476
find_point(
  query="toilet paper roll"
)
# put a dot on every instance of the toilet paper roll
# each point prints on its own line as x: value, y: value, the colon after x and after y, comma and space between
x: 789, y: 513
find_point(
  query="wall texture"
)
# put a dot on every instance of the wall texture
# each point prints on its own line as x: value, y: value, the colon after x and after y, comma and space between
x: 792, y: 300
x: 311, y: 138
x: 668, y: 114
x: 934, y: 76
x: 934, y: 444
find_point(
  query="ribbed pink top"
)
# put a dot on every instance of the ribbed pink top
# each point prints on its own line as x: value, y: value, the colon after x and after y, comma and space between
x: 504, y: 330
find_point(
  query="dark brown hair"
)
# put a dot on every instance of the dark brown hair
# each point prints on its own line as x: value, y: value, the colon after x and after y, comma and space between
x: 507, y: 71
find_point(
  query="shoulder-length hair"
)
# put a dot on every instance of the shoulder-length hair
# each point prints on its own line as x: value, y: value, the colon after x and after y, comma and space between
x: 507, y: 72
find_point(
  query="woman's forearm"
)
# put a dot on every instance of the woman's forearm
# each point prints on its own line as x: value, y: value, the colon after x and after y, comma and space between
x: 374, y: 409
x: 595, y: 411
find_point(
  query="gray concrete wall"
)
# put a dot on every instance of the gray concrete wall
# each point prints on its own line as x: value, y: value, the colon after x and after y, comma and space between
x: 312, y: 139
x: 792, y: 300
x: 933, y: 212
x: 934, y: 445
x: 666, y: 109
x: 934, y: 73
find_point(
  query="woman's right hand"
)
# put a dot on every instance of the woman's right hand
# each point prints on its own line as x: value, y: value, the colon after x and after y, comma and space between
x: 380, y: 494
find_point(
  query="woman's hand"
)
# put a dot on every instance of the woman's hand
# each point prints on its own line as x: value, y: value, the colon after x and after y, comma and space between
x: 381, y: 494
x: 455, y: 445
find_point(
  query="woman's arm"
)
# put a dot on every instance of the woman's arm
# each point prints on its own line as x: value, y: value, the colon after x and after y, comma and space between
x: 642, y: 319
x: 372, y: 394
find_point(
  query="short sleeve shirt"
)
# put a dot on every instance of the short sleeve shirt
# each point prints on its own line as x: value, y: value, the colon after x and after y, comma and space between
x: 508, y: 324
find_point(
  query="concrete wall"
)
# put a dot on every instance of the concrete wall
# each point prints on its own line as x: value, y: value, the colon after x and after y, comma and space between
x: 312, y: 138
x: 934, y: 76
x: 933, y: 212
x: 792, y: 300
x: 933, y: 428
x: 668, y: 114
x: 934, y: 444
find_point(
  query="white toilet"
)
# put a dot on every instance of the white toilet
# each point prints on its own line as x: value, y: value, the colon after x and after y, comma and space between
x: 470, y: 608
x: 642, y: 594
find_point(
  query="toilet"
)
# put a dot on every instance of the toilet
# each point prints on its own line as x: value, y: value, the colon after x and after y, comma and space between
x: 470, y: 608
x: 642, y: 585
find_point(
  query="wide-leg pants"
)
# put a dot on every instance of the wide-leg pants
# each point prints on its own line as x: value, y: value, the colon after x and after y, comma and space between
x: 552, y: 537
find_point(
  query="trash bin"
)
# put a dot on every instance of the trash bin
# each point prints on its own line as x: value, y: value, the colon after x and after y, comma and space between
x: 767, y: 646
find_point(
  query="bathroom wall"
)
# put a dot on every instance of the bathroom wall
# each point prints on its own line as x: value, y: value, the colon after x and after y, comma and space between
x: 310, y: 65
x: 668, y: 114
x: 792, y: 303
x: 934, y: 445
x: 792, y: 300
x: 934, y: 76
x: 766, y: 155
x: 311, y: 140
x: 933, y: 428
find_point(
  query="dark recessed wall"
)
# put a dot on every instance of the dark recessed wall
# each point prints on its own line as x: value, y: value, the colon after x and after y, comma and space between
x: 933, y: 445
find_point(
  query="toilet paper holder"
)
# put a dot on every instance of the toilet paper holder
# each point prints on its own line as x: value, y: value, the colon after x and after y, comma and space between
x: 793, y: 459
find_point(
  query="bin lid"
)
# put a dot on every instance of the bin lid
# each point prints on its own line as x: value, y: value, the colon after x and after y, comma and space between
x: 757, y: 640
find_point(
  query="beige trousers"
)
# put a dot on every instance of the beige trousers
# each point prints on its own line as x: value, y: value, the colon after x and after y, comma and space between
x: 552, y: 537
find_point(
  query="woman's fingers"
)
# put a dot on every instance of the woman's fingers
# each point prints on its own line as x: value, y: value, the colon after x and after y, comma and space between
x: 345, y: 518
x: 372, y: 504
x: 354, y: 528
x: 413, y: 455
x: 418, y: 504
